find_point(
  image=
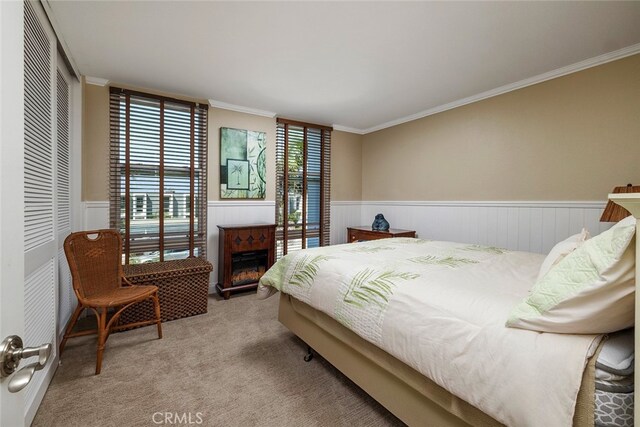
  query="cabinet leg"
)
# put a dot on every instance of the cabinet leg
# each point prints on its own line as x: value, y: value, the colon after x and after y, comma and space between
x: 222, y: 291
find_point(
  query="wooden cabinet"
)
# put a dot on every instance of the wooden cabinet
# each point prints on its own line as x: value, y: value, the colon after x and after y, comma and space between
x: 355, y: 234
x: 245, y: 253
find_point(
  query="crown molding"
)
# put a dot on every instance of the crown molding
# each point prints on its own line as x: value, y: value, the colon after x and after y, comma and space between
x: 239, y: 108
x: 97, y: 81
x: 573, y: 68
x: 569, y: 69
x: 348, y: 129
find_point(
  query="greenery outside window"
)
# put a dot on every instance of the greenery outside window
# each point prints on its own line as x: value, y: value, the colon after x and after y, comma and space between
x: 303, y: 182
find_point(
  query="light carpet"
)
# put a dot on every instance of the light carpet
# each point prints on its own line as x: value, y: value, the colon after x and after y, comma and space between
x: 234, y: 366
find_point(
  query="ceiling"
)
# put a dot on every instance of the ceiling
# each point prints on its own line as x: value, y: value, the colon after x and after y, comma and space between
x: 359, y: 65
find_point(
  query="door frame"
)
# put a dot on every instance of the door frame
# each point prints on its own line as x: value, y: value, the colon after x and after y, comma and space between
x: 11, y: 192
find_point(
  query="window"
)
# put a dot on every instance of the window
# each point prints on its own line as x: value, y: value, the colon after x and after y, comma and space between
x: 158, y: 164
x: 303, y: 177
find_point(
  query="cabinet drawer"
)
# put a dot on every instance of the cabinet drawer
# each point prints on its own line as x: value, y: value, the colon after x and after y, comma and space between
x: 355, y: 234
x: 249, y: 239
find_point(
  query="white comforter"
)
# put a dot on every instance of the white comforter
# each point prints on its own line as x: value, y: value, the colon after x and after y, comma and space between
x: 440, y: 308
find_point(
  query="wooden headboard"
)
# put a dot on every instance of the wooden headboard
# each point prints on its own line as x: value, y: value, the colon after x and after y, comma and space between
x: 631, y: 202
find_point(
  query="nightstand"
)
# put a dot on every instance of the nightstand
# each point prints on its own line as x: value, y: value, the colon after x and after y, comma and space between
x: 355, y: 234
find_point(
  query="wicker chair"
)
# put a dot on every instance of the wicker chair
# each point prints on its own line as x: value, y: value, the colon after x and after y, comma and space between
x: 100, y: 285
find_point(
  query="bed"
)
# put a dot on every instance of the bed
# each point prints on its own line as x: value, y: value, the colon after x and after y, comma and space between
x: 457, y: 368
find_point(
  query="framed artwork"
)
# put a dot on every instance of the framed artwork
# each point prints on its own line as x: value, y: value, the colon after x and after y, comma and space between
x: 242, y: 164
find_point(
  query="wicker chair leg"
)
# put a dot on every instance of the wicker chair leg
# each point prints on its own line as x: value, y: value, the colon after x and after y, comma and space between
x: 72, y: 323
x: 102, y: 337
x: 156, y: 304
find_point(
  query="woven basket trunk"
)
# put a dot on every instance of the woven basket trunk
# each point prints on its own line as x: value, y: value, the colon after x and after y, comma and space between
x: 183, y: 289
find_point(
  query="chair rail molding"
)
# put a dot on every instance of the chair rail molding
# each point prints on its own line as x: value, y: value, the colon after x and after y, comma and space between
x: 500, y: 203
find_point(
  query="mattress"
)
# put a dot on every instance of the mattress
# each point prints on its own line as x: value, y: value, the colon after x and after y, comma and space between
x: 614, y: 386
x: 413, y: 398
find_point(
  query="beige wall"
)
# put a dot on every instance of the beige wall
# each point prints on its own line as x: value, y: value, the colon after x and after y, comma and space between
x: 346, y: 156
x: 346, y: 166
x: 95, y: 143
x: 224, y: 118
x: 570, y: 138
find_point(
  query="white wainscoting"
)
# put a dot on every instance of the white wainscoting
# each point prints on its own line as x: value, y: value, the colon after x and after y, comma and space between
x: 95, y: 215
x: 343, y: 215
x: 524, y: 226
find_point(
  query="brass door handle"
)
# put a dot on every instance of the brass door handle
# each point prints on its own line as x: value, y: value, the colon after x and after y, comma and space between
x: 12, y: 352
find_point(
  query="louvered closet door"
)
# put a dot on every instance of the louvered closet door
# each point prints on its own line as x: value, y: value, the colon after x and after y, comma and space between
x: 66, y: 298
x: 41, y: 199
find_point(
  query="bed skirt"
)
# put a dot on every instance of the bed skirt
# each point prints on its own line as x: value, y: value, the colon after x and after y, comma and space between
x: 413, y: 398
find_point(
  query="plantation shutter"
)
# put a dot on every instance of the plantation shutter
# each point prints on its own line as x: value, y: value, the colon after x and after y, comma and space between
x: 303, y: 183
x: 159, y: 165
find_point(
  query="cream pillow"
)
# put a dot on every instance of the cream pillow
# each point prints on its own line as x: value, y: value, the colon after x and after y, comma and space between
x: 590, y: 291
x: 561, y: 250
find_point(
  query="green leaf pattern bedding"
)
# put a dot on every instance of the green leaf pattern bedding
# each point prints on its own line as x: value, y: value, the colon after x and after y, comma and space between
x: 364, y: 291
x: 440, y: 307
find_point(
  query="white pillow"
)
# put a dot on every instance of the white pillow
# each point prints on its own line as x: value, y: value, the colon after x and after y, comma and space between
x: 561, y: 250
x: 590, y: 291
